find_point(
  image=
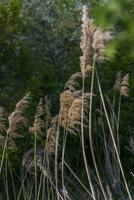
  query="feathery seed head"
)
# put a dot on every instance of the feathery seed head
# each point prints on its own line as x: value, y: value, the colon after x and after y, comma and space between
x: 3, y: 119
x: 10, y: 143
x: 48, y: 115
x: 17, y: 120
x: 124, y: 85
x: 23, y: 103
x: 38, y: 122
x: 75, y: 111
x: 86, y: 40
x: 51, y: 135
x: 73, y: 83
x: 100, y: 39
x: 93, y: 41
x: 121, y: 84
x: 66, y: 100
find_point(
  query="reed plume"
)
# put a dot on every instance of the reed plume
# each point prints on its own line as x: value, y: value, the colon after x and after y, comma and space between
x: 86, y: 41
x: 117, y: 85
x: 93, y: 42
x: 3, y: 120
x: 66, y: 100
x: 124, y: 85
x: 67, y: 97
x: 48, y: 114
x: 10, y: 143
x: 51, y: 135
x: 100, y: 39
x: 39, y: 122
x: 73, y: 83
x: 43, y: 116
x: 3, y: 129
x: 121, y: 84
x: 17, y: 119
x: 74, y: 117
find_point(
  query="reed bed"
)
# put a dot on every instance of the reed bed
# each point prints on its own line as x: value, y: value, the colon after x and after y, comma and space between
x: 73, y: 162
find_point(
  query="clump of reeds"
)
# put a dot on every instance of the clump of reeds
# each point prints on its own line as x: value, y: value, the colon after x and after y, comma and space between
x: 74, y: 115
x: 93, y: 42
x: 93, y: 45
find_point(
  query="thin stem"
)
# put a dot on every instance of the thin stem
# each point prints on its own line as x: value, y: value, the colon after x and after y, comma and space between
x: 90, y: 131
x: 112, y: 136
x: 56, y: 160
x: 13, y: 185
x: 83, y: 142
x: 3, y: 153
x: 63, y: 155
x: 76, y: 177
x: 118, y: 124
x: 35, y: 163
